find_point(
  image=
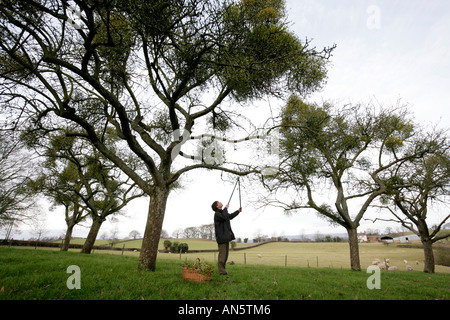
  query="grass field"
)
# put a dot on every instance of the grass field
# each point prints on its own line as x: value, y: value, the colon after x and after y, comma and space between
x: 295, y: 254
x: 194, y: 244
x: 41, y: 274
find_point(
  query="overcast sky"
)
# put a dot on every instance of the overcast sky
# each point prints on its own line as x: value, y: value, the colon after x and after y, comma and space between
x: 386, y: 51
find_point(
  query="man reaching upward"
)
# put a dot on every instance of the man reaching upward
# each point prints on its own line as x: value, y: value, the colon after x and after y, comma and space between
x: 224, y: 234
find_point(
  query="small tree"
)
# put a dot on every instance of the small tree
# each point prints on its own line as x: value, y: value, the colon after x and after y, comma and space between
x: 167, y: 244
x: 177, y: 233
x: 76, y: 176
x: 134, y: 234
x: 183, y: 247
x: 60, y: 183
x: 16, y: 167
x: 174, y: 247
x: 415, y: 186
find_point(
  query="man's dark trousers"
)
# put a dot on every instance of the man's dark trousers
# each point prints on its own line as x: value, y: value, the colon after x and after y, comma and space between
x: 223, y: 257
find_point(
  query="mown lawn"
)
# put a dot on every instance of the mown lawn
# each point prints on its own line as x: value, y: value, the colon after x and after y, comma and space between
x: 41, y: 274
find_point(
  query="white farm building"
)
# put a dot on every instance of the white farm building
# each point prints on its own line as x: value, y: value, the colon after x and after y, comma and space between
x: 407, y: 238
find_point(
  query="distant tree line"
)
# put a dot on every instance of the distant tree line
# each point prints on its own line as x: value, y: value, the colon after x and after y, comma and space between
x: 205, y: 231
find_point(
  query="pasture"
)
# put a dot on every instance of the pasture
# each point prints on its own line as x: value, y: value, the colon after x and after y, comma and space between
x: 27, y: 274
x: 295, y: 254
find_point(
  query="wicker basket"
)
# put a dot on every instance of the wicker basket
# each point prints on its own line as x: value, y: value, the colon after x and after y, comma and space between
x: 190, y: 274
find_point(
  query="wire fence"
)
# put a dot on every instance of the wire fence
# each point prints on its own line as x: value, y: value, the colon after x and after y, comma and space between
x: 245, y: 258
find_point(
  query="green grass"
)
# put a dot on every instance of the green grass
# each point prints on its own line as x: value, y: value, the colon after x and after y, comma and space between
x: 328, y: 255
x: 323, y: 254
x: 41, y: 274
x: 194, y: 244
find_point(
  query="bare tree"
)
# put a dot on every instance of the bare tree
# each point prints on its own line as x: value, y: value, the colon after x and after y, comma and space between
x: 39, y: 229
x: 191, y: 232
x: 207, y: 231
x: 134, y: 234
x: 177, y: 233
x: 164, y: 234
x: 17, y: 201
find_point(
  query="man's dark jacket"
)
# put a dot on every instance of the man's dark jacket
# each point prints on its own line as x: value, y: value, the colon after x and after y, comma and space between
x: 222, y: 225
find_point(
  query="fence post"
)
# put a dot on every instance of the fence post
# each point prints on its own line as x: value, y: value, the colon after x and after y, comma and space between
x: 245, y: 258
x: 285, y: 260
x: 317, y: 261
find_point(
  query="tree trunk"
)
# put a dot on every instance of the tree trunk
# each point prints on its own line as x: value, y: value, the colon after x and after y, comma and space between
x: 354, y: 249
x: 68, y: 237
x: 427, y: 243
x: 92, y: 236
x: 155, y: 218
x: 429, y: 256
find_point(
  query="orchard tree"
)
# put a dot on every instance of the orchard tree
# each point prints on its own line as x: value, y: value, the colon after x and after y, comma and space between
x: 334, y: 160
x: 80, y: 178
x: 57, y: 179
x: 62, y: 186
x: 149, y: 72
x: 16, y: 200
x: 415, y: 186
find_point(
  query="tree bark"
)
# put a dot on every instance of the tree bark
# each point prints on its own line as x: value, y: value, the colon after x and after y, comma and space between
x: 68, y: 237
x: 92, y: 236
x: 354, y: 249
x: 429, y: 256
x: 155, y: 218
x: 426, y: 239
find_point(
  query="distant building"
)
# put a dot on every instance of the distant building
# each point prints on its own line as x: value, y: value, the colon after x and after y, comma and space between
x: 362, y: 237
x: 386, y: 239
x: 407, y: 238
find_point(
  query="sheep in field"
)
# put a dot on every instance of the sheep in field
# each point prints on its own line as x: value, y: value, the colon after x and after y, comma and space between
x: 393, y: 268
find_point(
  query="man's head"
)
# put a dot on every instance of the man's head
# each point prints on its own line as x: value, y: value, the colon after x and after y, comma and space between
x: 217, y: 205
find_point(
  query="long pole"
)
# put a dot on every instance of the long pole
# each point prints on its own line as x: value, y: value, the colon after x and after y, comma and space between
x: 233, y: 191
x: 240, y: 203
